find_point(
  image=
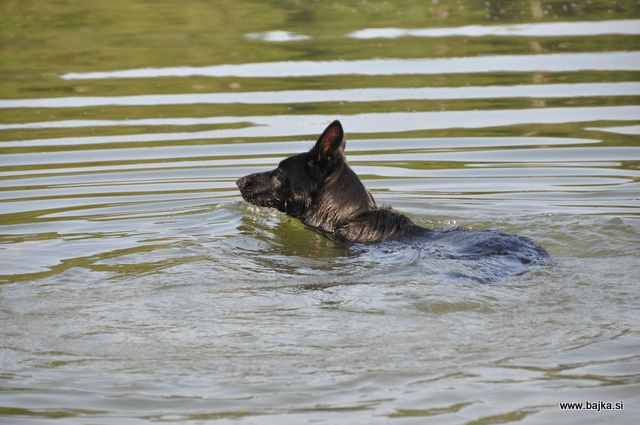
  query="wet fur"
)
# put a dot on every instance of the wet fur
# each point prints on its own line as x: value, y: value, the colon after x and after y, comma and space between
x: 319, y: 188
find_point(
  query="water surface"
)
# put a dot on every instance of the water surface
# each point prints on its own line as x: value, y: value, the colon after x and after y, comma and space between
x: 137, y: 286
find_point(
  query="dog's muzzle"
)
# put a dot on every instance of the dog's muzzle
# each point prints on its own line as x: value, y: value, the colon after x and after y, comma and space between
x: 243, y: 183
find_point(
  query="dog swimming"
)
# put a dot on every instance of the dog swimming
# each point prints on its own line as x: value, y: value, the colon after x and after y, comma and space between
x: 319, y: 188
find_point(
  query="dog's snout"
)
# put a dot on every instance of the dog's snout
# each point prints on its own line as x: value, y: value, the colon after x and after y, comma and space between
x: 242, y: 182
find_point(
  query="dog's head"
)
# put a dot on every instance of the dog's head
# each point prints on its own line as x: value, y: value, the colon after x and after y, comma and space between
x: 290, y: 187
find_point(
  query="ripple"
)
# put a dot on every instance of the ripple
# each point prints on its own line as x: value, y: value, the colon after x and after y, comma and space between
x: 344, y: 95
x: 555, y: 62
x: 298, y: 125
x: 631, y: 129
x: 547, y: 29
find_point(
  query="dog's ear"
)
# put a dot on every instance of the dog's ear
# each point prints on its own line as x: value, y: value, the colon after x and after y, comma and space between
x: 330, y: 145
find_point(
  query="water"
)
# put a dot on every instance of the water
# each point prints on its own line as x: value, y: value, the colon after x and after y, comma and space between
x: 139, y: 287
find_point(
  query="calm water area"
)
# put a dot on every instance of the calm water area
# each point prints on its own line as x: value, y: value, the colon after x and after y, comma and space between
x: 137, y: 287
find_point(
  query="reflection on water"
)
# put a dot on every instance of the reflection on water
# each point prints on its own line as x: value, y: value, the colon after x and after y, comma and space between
x: 630, y: 129
x: 622, y: 26
x: 296, y: 125
x: 556, y: 62
x: 344, y: 95
x: 139, y: 288
x: 277, y: 36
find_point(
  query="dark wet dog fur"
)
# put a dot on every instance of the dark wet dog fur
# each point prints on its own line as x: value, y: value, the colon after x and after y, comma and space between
x: 319, y: 188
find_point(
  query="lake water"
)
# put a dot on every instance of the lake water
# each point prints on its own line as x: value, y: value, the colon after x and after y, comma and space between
x: 139, y: 288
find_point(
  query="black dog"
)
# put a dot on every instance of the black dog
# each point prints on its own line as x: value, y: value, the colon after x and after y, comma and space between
x: 319, y: 188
